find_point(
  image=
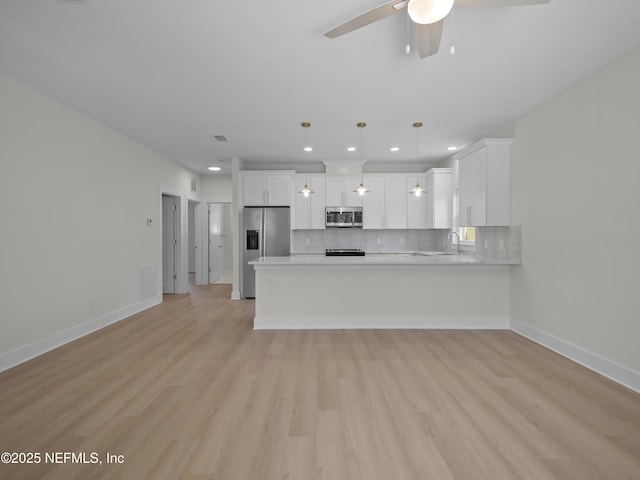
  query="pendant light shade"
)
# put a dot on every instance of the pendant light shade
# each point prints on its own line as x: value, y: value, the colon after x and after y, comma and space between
x: 361, y: 189
x: 429, y: 11
x: 306, y: 190
x: 417, y: 190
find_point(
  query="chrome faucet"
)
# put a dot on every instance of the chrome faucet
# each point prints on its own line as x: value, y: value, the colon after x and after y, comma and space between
x: 451, y: 233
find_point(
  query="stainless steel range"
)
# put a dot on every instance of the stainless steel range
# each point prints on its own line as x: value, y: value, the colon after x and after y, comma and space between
x: 344, y: 252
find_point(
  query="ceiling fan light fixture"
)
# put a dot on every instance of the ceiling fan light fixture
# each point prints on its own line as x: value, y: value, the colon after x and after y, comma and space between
x: 429, y: 11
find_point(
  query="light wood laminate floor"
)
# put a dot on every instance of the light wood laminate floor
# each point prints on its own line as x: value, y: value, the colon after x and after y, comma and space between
x: 187, y: 390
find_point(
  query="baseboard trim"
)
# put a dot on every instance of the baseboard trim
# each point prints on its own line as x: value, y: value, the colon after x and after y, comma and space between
x: 379, y: 322
x: 619, y: 374
x: 235, y: 295
x: 37, y: 348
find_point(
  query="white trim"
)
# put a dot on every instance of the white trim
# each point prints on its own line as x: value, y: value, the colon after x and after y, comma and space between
x: 235, y: 295
x: 37, y: 348
x: 312, y: 322
x: 619, y: 374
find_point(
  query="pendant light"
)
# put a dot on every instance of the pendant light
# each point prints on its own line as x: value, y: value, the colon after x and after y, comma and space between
x: 361, y: 190
x: 429, y: 11
x: 306, y: 190
x: 417, y: 190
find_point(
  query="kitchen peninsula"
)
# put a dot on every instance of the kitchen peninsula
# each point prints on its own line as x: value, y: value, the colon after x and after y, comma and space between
x: 401, y: 290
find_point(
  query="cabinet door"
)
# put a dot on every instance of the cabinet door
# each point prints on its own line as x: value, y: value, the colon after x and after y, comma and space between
x: 253, y: 190
x: 334, y: 189
x: 353, y: 199
x: 302, y: 205
x: 317, y: 204
x: 278, y: 190
x: 416, y: 205
x: 442, y: 197
x: 395, y: 202
x: 373, y: 204
x: 428, y: 201
x: 472, y: 179
x: 439, y: 198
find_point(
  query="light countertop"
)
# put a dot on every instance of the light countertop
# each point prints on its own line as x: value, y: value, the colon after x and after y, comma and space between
x: 379, y: 259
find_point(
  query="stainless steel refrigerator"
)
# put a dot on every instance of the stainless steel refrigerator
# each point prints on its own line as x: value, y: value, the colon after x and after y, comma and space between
x: 266, y: 232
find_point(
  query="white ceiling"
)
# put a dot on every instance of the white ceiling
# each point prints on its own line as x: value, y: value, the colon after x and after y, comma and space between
x: 174, y: 73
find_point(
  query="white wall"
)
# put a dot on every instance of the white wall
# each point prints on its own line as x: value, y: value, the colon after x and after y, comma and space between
x: 575, y: 174
x: 216, y: 188
x: 74, y: 199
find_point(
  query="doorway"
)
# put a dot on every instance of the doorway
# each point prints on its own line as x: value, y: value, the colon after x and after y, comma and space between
x: 170, y: 241
x: 220, y: 243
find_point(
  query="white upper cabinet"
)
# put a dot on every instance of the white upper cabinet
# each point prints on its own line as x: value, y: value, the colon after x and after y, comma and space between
x: 261, y: 188
x: 339, y: 191
x: 309, y: 211
x: 484, y: 183
x: 385, y: 206
x: 395, y: 202
x: 416, y: 216
x: 438, y: 198
x: 373, y: 203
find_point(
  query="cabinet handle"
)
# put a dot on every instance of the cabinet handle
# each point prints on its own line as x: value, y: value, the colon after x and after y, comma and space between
x: 469, y: 215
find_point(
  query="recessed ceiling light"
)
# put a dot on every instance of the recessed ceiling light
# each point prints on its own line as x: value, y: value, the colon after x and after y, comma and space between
x: 394, y: 149
x: 214, y: 169
x: 308, y: 149
x: 451, y: 149
x: 351, y: 149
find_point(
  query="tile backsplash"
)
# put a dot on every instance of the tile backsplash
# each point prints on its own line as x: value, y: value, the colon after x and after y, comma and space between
x: 499, y: 243
x: 495, y: 243
x: 371, y: 241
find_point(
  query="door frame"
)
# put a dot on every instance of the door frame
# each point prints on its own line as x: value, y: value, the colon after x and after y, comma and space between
x: 202, y: 256
x: 182, y: 259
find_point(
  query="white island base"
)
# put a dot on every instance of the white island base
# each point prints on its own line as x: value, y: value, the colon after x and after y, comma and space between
x: 335, y: 296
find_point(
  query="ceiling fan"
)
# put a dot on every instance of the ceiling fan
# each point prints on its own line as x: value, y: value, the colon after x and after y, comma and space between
x: 428, y: 15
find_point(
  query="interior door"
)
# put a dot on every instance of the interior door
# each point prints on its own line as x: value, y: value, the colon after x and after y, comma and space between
x: 169, y: 243
x: 226, y: 236
x: 216, y: 250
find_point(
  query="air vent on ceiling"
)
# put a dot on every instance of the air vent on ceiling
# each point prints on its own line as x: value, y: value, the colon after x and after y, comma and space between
x: 220, y: 138
x: 75, y: 2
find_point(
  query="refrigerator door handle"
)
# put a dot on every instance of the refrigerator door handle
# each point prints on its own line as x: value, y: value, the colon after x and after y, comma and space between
x: 263, y: 246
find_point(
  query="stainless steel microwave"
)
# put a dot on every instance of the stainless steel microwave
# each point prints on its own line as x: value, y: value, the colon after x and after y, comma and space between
x: 343, y: 217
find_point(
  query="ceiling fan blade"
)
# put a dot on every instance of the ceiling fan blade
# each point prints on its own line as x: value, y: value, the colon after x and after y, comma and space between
x: 428, y: 38
x: 366, y: 18
x: 499, y: 3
